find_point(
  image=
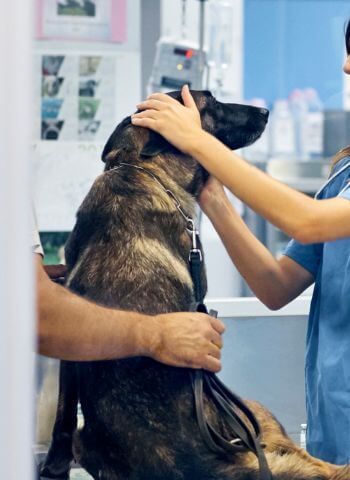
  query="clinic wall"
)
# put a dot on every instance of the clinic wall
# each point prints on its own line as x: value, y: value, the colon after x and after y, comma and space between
x: 263, y: 359
x: 298, y: 44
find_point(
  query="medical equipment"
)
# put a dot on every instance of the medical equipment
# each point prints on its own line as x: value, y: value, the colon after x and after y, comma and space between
x: 220, y: 28
x: 179, y: 61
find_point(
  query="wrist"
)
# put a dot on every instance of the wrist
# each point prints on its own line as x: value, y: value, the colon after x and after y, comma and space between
x: 147, y: 336
x: 215, y: 203
x: 196, y: 142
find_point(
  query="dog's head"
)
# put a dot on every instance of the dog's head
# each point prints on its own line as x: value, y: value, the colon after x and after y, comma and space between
x: 233, y: 124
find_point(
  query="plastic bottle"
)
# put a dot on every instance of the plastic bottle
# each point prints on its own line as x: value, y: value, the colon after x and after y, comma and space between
x: 282, y: 138
x: 312, y: 131
x: 299, y: 109
x: 303, y: 428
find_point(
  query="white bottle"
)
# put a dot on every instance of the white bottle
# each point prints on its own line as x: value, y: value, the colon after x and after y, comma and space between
x: 282, y: 138
x: 303, y: 428
x: 312, y: 131
x: 299, y: 109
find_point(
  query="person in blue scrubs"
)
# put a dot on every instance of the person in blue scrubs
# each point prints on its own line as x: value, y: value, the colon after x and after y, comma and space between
x: 327, y: 368
x: 319, y: 253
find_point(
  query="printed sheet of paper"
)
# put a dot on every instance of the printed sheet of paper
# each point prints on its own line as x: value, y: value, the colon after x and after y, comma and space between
x: 77, y: 97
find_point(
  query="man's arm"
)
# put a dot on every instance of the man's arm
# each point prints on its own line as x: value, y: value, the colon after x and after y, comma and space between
x: 72, y: 328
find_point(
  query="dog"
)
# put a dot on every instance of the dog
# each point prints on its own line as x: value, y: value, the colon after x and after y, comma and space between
x: 129, y: 249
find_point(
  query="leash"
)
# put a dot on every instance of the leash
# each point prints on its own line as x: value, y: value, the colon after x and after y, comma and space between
x: 225, y: 400
x: 203, y: 382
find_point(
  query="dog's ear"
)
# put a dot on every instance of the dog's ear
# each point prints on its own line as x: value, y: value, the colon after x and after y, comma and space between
x: 157, y: 145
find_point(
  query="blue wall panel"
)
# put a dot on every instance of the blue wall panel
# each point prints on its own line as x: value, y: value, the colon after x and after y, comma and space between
x: 294, y: 44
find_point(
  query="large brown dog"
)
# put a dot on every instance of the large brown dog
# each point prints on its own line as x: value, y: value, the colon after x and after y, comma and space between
x: 129, y: 249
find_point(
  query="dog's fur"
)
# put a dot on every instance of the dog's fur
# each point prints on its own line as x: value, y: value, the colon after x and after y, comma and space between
x: 129, y: 249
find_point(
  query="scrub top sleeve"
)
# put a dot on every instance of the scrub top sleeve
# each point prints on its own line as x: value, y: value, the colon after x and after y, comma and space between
x: 308, y: 256
x: 346, y: 193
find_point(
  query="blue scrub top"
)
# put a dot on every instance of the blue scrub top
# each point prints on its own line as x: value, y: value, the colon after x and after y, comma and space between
x: 327, y: 367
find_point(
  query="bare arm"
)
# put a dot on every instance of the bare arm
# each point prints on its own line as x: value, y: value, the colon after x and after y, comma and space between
x: 274, y: 282
x: 72, y: 328
x: 299, y: 216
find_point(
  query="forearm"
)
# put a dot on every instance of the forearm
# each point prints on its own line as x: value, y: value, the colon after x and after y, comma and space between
x: 71, y: 328
x: 298, y: 215
x: 262, y: 272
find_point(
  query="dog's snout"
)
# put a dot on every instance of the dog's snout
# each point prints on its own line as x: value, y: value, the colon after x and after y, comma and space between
x: 265, y: 112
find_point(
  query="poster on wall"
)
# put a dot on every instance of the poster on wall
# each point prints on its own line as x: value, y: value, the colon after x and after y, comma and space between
x: 77, y: 97
x: 94, y: 20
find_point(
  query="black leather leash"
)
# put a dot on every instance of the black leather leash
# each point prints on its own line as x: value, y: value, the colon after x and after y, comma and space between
x: 203, y: 382
x: 226, y: 402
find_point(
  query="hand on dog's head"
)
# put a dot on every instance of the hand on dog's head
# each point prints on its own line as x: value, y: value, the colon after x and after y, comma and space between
x: 235, y: 125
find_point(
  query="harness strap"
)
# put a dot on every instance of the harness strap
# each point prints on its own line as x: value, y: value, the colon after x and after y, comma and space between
x: 226, y: 402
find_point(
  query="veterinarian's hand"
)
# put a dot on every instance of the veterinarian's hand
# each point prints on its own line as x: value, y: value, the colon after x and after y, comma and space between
x: 179, y: 124
x: 212, y: 197
x: 188, y: 340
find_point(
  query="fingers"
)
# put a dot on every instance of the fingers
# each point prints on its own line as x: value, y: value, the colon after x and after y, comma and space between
x: 212, y: 364
x: 163, y: 97
x: 214, y: 350
x: 217, y: 325
x: 149, y: 113
x: 144, y: 122
x: 153, y: 104
x: 187, y: 97
x: 216, y: 339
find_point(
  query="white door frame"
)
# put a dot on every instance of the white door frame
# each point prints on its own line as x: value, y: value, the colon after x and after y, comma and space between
x: 16, y: 282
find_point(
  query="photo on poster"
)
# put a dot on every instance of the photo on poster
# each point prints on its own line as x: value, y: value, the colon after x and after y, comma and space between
x: 50, y: 129
x: 88, y: 88
x: 91, y: 20
x: 50, y: 108
x: 51, y: 86
x: 88, y: 65
x: 51, y: 64
x: 88, y: 108
x: 88, y: 129
x: 81, y: 8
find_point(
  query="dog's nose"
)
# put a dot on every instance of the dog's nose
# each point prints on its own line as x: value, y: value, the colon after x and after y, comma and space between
x: 264, y: 112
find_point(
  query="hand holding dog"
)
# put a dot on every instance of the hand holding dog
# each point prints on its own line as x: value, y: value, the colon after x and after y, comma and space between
x: 179, y: 124
x: 186, y: 340
x: 212, y: 197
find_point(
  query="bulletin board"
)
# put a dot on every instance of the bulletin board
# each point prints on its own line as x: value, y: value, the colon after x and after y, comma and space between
x: 82, y: 89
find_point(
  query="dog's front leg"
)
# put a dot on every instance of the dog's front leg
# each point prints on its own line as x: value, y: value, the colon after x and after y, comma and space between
x: 59, y: 457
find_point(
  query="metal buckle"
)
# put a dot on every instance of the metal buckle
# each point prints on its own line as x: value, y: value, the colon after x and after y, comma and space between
x: 195, y: 250
x: 236, y: 441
